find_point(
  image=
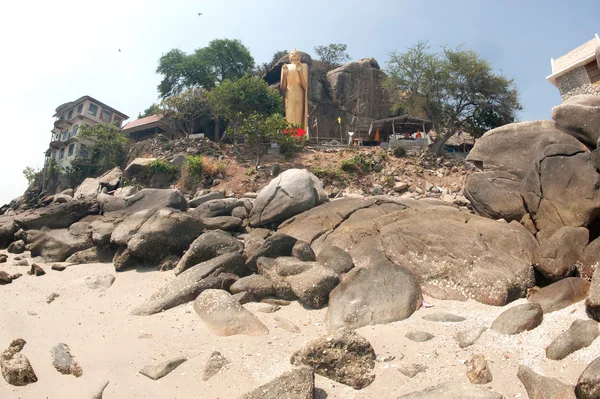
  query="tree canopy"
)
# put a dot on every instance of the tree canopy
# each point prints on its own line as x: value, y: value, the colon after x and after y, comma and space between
x: 206, y: 67
x: 184, y: 108
x: 332, y: 55
x: 151, y: 110
x: 455, y: 89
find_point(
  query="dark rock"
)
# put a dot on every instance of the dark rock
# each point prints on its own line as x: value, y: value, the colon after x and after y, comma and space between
x: 222, y: 223
x: 16, y: 247
x: 216, y: 207
x: 343, y: 356
x: 561, y: 294
x: 189, y: 284
x: 581, y: 334
x: 224, y: 316
x: 56, y: 216
x: 52, y: 297
x: 90, y: 255
x: 63, y: 361
x: 468, y: 337
x: 209, y: 245
x: 303, y: 251
x: 15, y: 366
x: 123, y: 259
x: 277, y: 245
x: 16, y: 276
x: 443, y: 317
x: 36, y: 270
x: 244, y: 297
x: 589, y: 260
x: 313, y: 286
x: 3, y: 258
x: 58, y: 268
x: 58, y: 245
x: 453, y: 390
x: 240, y: 212
x: 298, y: 383
x: 556, y: 258
x: 478, y: 370
x: 158, y: 371
x: 155, y: 198
x: 268, y: 268
x: 540, y: 387
x: 419, y: 336
x: 335, y: 259
x: 258, y: 286
x: 205, y: 198
x: 215, y: 363
x: 168, y: 263
x: 411, y: 370
x: 495, y: 195
x: 5, y: 278
x: 518, y: 319
x: 579, y: 116
x: 588, y: 385
x: 8, y: 228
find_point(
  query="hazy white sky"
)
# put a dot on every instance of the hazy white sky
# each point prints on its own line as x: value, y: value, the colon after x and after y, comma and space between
x: 54, y: 51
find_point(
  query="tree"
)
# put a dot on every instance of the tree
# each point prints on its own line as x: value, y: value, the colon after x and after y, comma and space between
x: 183, y: 109
x: 235, y: 100
x: 151, y: 110
x: 107, y: 150
x: 256, y: 129
x: 333, y: 55
x: 31, y: 175
x: 206, y: 67
x: 455, y: 89
x: 262, y: 69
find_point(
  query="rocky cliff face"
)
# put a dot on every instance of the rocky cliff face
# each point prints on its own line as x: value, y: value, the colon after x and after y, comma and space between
x: 352, y: 92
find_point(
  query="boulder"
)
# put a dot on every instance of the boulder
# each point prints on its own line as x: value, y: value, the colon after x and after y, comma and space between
x: 8, y: 228
x: 88, y: 189
x: 513, y: 148
x: 90, y: 255
x: 160, y: 370
x: 442, y: 317
x: 592, y: 303
x: 5, y: 278
x: 124, y: 260
x: 581, y: 334
x: 276, y: 270
x: 109, y: 203
x: 197, y: 201
x: 518, y: 318
x: 453, y: 390
x: 214, y: 273
x: 478, y: 370
x: 129, y: 226
x: 222, y: 223
x: 540, y: 387
x: 225, y: 316
x: 419, y: 336
x: 343, y: 356
x: 138, y: 169
x: 58, y: 245
x: 57, y: 216
x: 588, y: 384
x: 557, y: 257
x: 561, y: 189
x: 561, y: 294
x: 63, y: 361
x: 437, y: 243
x: 126, y: 192
x: 298, y: 383
x: 240, y: 212
x: 111, y: 180
x: 166, y: 232
x: 277, y: 245
x: 495, y: 195
x: 215, y: 363
x: 589, y: 259
x: 16, y: 247
x: 313, y: 286
x: 336, y: 259
x: 579, y: 116
x: 209, y: 245
x: 101, y: 232
x: 292, y: 192
x: 256, y: 285
x: 216, y: 207
x: 302, y: 251
x: 61, y: 198
x: 155, y: 198
x: 379, y: 294
x: 15, y: 366
x: 468, y: 337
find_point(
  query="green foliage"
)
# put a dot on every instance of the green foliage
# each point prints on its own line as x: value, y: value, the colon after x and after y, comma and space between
x: 455, y: 88
x: 257, y: 129
x: 251, y: 171
x: 151, y: 110
x: 262, y: 69
x: 79, y: 169
x: 333, y: 55
x: 290, y: 145
x: 194, y: 168
x: 399, y: 151
x: 31, y: 175
x: 328, y: 173
x: 184, y: 108
x: 356, y: 164
x: 206, y: 67
x: 161, y: 166
x: 107, y: 151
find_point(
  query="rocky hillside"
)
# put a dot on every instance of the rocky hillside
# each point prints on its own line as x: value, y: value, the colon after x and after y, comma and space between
x: 353, y: 274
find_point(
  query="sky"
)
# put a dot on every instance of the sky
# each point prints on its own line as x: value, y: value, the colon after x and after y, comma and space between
x: 55, y: 51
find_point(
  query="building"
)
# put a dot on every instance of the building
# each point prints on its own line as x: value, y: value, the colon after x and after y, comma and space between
x: 149, y: 126
x: 65, y: 145
x: 577, y: 71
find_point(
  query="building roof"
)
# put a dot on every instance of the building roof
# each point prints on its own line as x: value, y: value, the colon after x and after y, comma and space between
x: 401, y: 124
x: 63, y: 107
x: 573, y: 59
x: 142, y: 122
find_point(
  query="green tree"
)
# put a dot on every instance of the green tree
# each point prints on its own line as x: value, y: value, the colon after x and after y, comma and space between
x: 206, y: 67
x: 262, y: 69
x: 455, y: 89
x: 108, y: 148
x: 257, y: 129
x: 183, y: 109
x: 151, y: 110
x: 332, y: 55
x: 32, y: 175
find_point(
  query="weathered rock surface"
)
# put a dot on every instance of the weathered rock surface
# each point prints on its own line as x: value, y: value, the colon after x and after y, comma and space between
x: 15, y: 366
x: 478, y: 370
x: 557, y: 257
x: 224, y: 316
x: 90, y: 255
x: 63, y: 361
x: 277, y: 245
x: 292, y: 192
x: 411, y: 370
x: 111, y: 180
x: 592, y: 303
x: 303, y: 251
x: 155, y: 198
x: 138, y: 169
x: 419, y: 336
x: 518, y: 319
x: 100, y: 282
x: 58, y: 245
x: 581, y: 334
x: 189, y: 284
x: 5, y: 278
x: 209, y: 245
x: 453, y: 390
x: 216, y: 207
x: 540, y: 387
x: 313, y: 286
x: 588, y: 385
x: 442, y: 317
x: 589, y: 260
x: 88, y: 189
x: 579, y: 116
x: 298, y: 383
x: 343, y: 356
x: 335, y: 259
x: 158, y: 371
x: 36, y: 270
x: 376, y: 295
x: 226, y: 223
x: 258, y: 286
x: 56, y: 216
x: 561, y: 294
x: 16, y: 247
x: 468, y: 337
x: 495, y: 195
x: 215, y: 363
x: 196, y: 202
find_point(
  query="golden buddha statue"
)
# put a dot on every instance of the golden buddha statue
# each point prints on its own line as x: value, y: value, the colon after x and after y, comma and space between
x: 294, y: 84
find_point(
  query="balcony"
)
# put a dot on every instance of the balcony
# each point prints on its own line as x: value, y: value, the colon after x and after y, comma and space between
x: 62, y: 123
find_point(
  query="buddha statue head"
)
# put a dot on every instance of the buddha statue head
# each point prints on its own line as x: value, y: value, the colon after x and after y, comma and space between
x: 294, y: 56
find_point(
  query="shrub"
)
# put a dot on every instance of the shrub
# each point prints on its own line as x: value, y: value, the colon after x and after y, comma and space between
x: 328, y: 173
x: 356, y: 164
x: 161, y: 165
x: 399, y: 151
x: 290, y: 145
x: 196, y: 169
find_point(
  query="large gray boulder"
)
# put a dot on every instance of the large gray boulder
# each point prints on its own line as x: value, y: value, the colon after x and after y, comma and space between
x: 561, y: 294
x: 155, y: 198
x: 88, y: 189
x: 495, y: 195
x: 8, y: 228
x: 214, y: 273
x: 453, y: 390
x: 513, y: 148
x: 213, y: 195
x: 579, y: 116
x: 292, y: 192
x: 557, y: 257
x: 209, y: 245
x: 138, y: 169
x: 540, y: 387
x: 518, y: 318
x: 298, y: 383
x: 111, y: 180
x: 216, y: 207
x: 581, y: 334
x: 562, y: 189
x: 313, y: 286
x: 56, y: 216
x: 58, y: 245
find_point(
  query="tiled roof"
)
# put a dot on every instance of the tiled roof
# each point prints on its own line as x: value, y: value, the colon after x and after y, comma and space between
x: 143, y: 121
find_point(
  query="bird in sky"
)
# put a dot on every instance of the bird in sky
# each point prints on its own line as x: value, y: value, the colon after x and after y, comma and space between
x: 199, y: 14
x: 119, y: 50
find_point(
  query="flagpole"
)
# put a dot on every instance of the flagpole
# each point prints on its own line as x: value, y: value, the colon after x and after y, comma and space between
x: 317, y: 131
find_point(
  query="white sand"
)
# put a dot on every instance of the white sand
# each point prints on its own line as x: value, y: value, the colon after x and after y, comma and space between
x: 111, y: 344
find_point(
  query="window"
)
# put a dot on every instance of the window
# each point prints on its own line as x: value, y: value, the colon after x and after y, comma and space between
x: 71, y: 148
x: 93, y: 109
x: 75, y: 129
x: 80, y: 109
x: 62, y: 153
x: 64, y: 135
x: 53, y: 155
x: 117, y: 122
x: 105, y: 115
x: 593, y: 71
x: 70, y: 116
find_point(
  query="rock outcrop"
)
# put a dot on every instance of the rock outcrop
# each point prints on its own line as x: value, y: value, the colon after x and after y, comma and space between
x: 579, y: 116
